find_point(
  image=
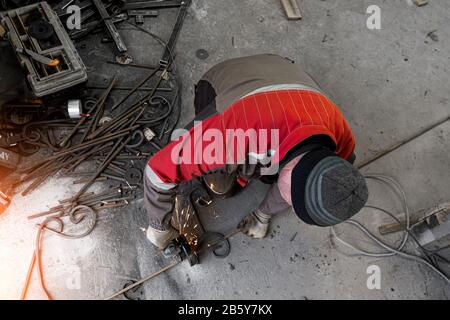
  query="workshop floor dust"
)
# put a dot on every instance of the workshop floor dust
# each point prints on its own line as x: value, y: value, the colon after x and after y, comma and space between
x: 17, y: 236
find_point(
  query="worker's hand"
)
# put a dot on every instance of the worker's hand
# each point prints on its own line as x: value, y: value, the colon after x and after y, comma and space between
x: 161, y: 238
x: 255, y: 225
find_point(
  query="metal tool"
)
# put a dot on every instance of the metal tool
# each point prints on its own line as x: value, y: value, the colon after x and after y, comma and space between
x: 180, y: 250
x: 39, y: 57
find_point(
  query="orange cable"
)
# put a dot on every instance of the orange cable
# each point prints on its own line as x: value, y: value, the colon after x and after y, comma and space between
x: 36, y: 258
x: 39, y: 261
x: 28, y: 278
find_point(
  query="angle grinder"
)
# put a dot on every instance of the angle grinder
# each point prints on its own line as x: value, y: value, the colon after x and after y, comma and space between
x: 180, y: 249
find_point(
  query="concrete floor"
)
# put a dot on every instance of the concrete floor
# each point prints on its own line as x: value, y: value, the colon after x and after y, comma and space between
x: 390, y: 83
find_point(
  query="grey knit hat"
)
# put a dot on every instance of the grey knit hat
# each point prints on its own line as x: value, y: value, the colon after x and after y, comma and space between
x: 326, y: 189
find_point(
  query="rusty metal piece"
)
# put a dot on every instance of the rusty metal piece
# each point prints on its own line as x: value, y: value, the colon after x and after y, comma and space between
x: 35, y: 184
x: 72, y: 132
x: 78, y: 160
x: 111, y: 28
x: 110, y: 157
x: 130, y: 93
x: 131, y: 110
x: 88, y: 180
x: 126, y: 88
x: 99, y: 109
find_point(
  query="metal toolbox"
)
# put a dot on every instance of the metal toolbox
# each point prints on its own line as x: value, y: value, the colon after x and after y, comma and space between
x: 36, y: 28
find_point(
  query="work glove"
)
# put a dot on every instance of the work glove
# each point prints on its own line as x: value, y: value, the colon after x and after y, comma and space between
x: 255, y: 225
x: 161, y: 238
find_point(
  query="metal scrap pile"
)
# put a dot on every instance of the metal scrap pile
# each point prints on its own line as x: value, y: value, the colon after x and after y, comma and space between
x: 112, y: 143
x: 92, y: 138
x: 58, y: 126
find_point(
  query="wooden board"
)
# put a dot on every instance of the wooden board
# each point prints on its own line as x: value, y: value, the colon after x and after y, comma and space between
x: 292, y: 9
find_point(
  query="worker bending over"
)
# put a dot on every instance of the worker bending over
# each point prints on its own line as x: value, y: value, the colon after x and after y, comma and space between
x: 294, y: 137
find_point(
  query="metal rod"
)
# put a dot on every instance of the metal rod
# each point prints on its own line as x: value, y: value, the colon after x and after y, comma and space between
x: 114, y: 152
x: 167, y: 57
x: 134, y: 285
x: 152, y: 4
x: 99, y: 108
x: 124, y: 88
x: 401, y: 143
x: 112, y: 30
x: 140, y: 84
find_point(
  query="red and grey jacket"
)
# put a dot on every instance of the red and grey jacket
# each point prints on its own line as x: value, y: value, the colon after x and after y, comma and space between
x: 261, y: 93
x: 295, y: 114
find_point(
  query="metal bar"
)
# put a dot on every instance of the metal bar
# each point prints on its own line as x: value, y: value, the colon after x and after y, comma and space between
x: 113, y: 153
x: 122, y: 88
x: 292, y: 9
x: 83, y: 146
x: 99, y: 108
x: 130, y: 111
x: 92, y: 143
x: 170, y: 266
x: 72, y: 132
x: 401, y: 143
x: 168, y: 55
x: 112, y: 30
x: 83, y: 157
x: 161, y: 4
